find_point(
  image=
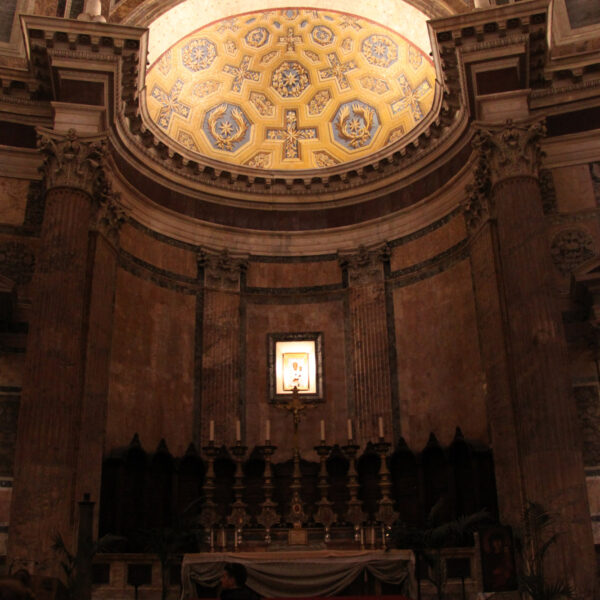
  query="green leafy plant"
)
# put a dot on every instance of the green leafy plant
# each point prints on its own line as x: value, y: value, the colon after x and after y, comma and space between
x: 71, y: 564
x: 538, y: 536
x: 427, y: 543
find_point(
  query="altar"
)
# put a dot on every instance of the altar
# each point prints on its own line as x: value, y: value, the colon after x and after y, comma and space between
x: 299, y: 574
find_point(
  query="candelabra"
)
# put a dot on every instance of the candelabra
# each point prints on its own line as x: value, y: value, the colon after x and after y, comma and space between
x: 386, y: 514
x: 325, y: 514
x: 239, y: 516
x: 354, y: 514
x: 209, y: 516
x: 268, y: 515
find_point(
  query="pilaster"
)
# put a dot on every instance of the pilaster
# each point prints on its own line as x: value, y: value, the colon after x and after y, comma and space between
x: 221, y: 393
x: 372, y: 392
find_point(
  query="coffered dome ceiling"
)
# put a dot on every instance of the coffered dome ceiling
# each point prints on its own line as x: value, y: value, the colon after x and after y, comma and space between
x: 289, y: 89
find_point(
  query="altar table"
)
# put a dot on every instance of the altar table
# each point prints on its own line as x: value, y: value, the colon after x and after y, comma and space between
x: 298, y: 574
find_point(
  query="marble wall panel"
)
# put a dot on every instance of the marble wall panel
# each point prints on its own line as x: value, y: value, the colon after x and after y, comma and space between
x: 293, y: 274
x: 574, y: 189
x: 262, y: 319
x: 13, y: 200
x: 440, y: 377
x: 152, y: 365
x: 157, y: 253
x: 422, y: 248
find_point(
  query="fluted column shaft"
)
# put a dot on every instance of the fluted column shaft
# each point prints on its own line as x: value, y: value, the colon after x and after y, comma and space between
x: 532, y: 364
x: 61, y: 421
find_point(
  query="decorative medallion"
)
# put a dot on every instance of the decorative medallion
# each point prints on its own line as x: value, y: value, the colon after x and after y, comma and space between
x: 258, y: 37
x: 269, y: 57
x: 313, y: 56
x: 318, y: 102
x: 165, y: 62
x: 262, y: 104
x: 289, y: 89
x: 415, y: 58
x: 322, y: 159
x: 375, y: 85
x: 187, y: 139
x: 355, y: 123
x: 290, y: 79
x: 230, y: 47
x: 380, y: 50
x: 261, y: 160
x: 322, y: 35
x: 206, y: 88
x: 227, y: 127
x: 198, y: 54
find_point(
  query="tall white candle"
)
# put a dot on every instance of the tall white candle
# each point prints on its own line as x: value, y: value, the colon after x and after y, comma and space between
x: 211, y: 431
x: 322, y: 430
x: 238, y: 430
x: 380, y: 422
x: 349, y: 429
x: 268, y: 430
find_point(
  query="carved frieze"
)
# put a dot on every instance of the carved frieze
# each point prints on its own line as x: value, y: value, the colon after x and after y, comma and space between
x: 73, y: 161
x: 476, y: 205
x: 222, y: 271
x: 109, y: 217
x: 570, y: 248
x: 365, y: 265
x: 512, y: 150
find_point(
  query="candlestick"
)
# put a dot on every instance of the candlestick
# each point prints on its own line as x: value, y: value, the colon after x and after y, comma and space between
x: 323, y: 430
x: 268, y: 430
x: 349, y: 429
x: 211, y: 431
x: 380, y: 423
x: 238, y: 430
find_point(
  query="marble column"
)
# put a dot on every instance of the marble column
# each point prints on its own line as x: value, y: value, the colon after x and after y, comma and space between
x: 531, y: 410
x: 222, y: 344
x: 61, y: 428
x: 369, y: 343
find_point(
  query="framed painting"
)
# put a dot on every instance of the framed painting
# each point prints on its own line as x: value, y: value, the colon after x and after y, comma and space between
x: 295, y: 362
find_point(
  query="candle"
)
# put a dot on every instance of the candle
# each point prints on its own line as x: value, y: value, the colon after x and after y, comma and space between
x: 349, y: 429
x: 380, y: 423
x: 268, y: 430
x: 238, y: 430
x: 211, y: 429
x: 323, y: 430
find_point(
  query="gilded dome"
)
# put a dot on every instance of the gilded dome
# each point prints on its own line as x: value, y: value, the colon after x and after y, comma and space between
x: 289, y: 89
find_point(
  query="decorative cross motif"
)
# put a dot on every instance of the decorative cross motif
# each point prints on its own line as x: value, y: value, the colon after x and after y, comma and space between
x: 411, y: 97
x: 338, y: 71
x: 291, y: 137
x: 241, y: 73
x: 290, y: 40
x: 170, y: 104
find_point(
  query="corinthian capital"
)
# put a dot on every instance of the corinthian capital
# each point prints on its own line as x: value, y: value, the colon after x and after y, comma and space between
x: 73, y: 161
x: 365, y: 265
x: 222, y: 270
x: 511, y: 150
